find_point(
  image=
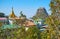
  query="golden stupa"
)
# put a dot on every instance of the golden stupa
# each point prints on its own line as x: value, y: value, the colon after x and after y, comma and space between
x: 12, y: 15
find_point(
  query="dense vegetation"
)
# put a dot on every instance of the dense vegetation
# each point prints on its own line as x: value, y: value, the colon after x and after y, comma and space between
x: 20, y: 33
x: 53, y: 20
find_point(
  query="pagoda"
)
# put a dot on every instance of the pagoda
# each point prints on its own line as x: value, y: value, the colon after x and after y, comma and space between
x: 12, y: 15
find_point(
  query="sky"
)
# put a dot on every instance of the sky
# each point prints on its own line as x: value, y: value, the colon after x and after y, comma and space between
x: 29, y: 7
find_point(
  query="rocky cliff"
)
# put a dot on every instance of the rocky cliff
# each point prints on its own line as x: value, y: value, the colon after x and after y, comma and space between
x: 41, y: 13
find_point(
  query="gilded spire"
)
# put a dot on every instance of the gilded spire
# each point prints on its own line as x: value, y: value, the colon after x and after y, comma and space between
x: 12, y: 10
x: 12, y: 15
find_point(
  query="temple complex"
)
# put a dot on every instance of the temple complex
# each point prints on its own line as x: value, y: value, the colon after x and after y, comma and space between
x: 26, y: 22
x: 21, y: 21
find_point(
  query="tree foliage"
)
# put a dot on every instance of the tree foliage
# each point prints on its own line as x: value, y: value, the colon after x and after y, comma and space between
x: 2, y: 15
x: 53, y: 20
x: 33, y: 33
x: 20, y: 33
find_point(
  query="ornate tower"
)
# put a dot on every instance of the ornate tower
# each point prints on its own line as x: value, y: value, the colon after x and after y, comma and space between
x: 12, y: 15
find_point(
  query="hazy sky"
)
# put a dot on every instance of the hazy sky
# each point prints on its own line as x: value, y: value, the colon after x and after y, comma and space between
x: 29, y: 7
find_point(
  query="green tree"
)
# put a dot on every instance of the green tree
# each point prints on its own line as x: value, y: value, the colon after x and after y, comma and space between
x: 2, y: 14
x: 53, y: 20
x: 33, y: 33
x: 22, y: 15
x: 1, y: 24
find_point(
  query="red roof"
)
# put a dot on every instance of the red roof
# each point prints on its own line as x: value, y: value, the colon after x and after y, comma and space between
x: 29, y: 23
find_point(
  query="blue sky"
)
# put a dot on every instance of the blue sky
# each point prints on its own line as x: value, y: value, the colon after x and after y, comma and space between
x: 29, y: 7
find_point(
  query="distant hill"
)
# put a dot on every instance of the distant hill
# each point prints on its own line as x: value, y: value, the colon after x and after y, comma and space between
x: 41, y: 13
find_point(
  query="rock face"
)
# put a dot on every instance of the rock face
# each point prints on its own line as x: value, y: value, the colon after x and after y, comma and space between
x: 41, y: 13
